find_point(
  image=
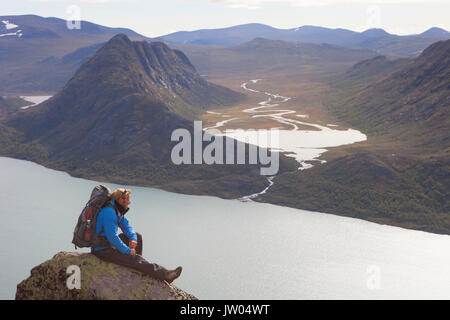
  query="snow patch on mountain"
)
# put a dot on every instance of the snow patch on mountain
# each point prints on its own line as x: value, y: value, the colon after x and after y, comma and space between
x: 9, y: 25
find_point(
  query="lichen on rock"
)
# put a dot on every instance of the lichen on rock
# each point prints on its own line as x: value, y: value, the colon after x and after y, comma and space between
x: 99, y: 280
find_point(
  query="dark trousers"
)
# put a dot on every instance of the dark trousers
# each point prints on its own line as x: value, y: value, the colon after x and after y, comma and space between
x: 135, y: 262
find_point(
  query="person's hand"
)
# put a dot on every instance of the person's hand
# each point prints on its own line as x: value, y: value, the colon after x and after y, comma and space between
x: 133, y: 252
x: 132, y: 244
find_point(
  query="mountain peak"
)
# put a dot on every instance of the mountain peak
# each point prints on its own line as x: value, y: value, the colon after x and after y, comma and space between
x: 435, y: 32
x: 375, y: 33
x: 136, y: 84
x: 120, y: 38
x: 140, y: 66
x: 118, y: 42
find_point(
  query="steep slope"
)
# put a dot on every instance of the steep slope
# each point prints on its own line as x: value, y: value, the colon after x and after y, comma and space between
x: 378, y: 66
x: 51, y: 73
x: 122, y: 80
x: 400, y: 175
x: 114, y: 119
x: 44, y: 37
x: 5, y: 108
x: 412, y: 102
x: 367, y: 72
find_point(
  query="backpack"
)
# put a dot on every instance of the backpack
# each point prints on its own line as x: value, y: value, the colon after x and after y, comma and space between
x: 84, y: 233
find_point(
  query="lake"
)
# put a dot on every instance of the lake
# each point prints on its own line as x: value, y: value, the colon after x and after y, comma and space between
x: 228, y: 249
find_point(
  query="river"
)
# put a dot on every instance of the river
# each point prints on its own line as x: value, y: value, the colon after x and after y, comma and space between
x: 305, y: 146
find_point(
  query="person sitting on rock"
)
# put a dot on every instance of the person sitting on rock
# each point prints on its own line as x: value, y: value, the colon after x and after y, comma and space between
x: 109, y: 219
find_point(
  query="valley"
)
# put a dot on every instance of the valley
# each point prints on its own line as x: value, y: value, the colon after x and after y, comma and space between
x: 398, y: 176
x: 114, y: 105
x: 269, y: 150
x: 306, y: 97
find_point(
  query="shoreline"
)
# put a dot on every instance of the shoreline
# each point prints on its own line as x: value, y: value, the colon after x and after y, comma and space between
x: 381, y: 222
x: 156, y: 188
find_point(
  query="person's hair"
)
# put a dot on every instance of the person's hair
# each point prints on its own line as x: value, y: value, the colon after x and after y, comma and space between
x: 120, y: 193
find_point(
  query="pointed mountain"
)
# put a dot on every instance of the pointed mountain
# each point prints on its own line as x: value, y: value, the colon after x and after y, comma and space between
x: 373, y: 39
x: 122, y: 82
x: 114, y: 119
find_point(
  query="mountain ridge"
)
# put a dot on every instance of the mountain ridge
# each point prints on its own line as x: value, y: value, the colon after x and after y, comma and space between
x: 114, y: 119
x: 418, y: 90
x: 399, y: 176
x: 126, y: 73
x: 374, y: 39
x: 28, y: 61
x: 273, y: 56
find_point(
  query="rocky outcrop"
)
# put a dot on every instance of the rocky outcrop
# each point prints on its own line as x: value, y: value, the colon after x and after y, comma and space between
x: 56, y: 279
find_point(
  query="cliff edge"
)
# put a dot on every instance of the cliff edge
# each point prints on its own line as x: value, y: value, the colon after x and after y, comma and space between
x: 82, y: 276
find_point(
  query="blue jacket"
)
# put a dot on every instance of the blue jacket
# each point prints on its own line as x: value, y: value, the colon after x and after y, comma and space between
x: 107, y: 224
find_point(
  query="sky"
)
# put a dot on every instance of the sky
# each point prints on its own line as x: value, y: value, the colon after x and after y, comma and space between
x: 155, y: 18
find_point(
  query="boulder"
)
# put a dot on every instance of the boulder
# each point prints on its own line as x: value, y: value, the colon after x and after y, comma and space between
x: 83, y: 276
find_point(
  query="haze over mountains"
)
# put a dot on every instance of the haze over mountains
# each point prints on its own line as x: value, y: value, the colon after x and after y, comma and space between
x: 413, y: 101
x: 49, y: 75
x: 44, y: 37
x: 373, y: 39
x: 114, y: 119
x: 47, y: 53
x: 262, y: 56
x: 118, y: 101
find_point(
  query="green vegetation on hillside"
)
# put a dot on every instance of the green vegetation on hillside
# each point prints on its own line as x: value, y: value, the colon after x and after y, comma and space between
x: 401, y: 175
x: 385, y: 189
x: 114, y: 119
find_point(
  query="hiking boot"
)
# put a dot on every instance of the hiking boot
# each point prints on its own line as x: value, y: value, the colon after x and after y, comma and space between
x: 173, y: 274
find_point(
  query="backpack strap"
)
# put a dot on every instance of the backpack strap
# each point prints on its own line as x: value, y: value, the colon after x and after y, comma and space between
x: 99, y: 240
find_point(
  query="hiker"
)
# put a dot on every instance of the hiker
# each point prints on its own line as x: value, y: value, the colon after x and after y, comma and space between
x: 109, y: 219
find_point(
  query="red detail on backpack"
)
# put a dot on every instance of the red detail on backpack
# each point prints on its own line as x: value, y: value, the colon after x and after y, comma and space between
x: 89, y: 212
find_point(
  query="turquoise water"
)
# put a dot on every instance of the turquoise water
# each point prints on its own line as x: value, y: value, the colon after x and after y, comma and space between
x: 228, y: 249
